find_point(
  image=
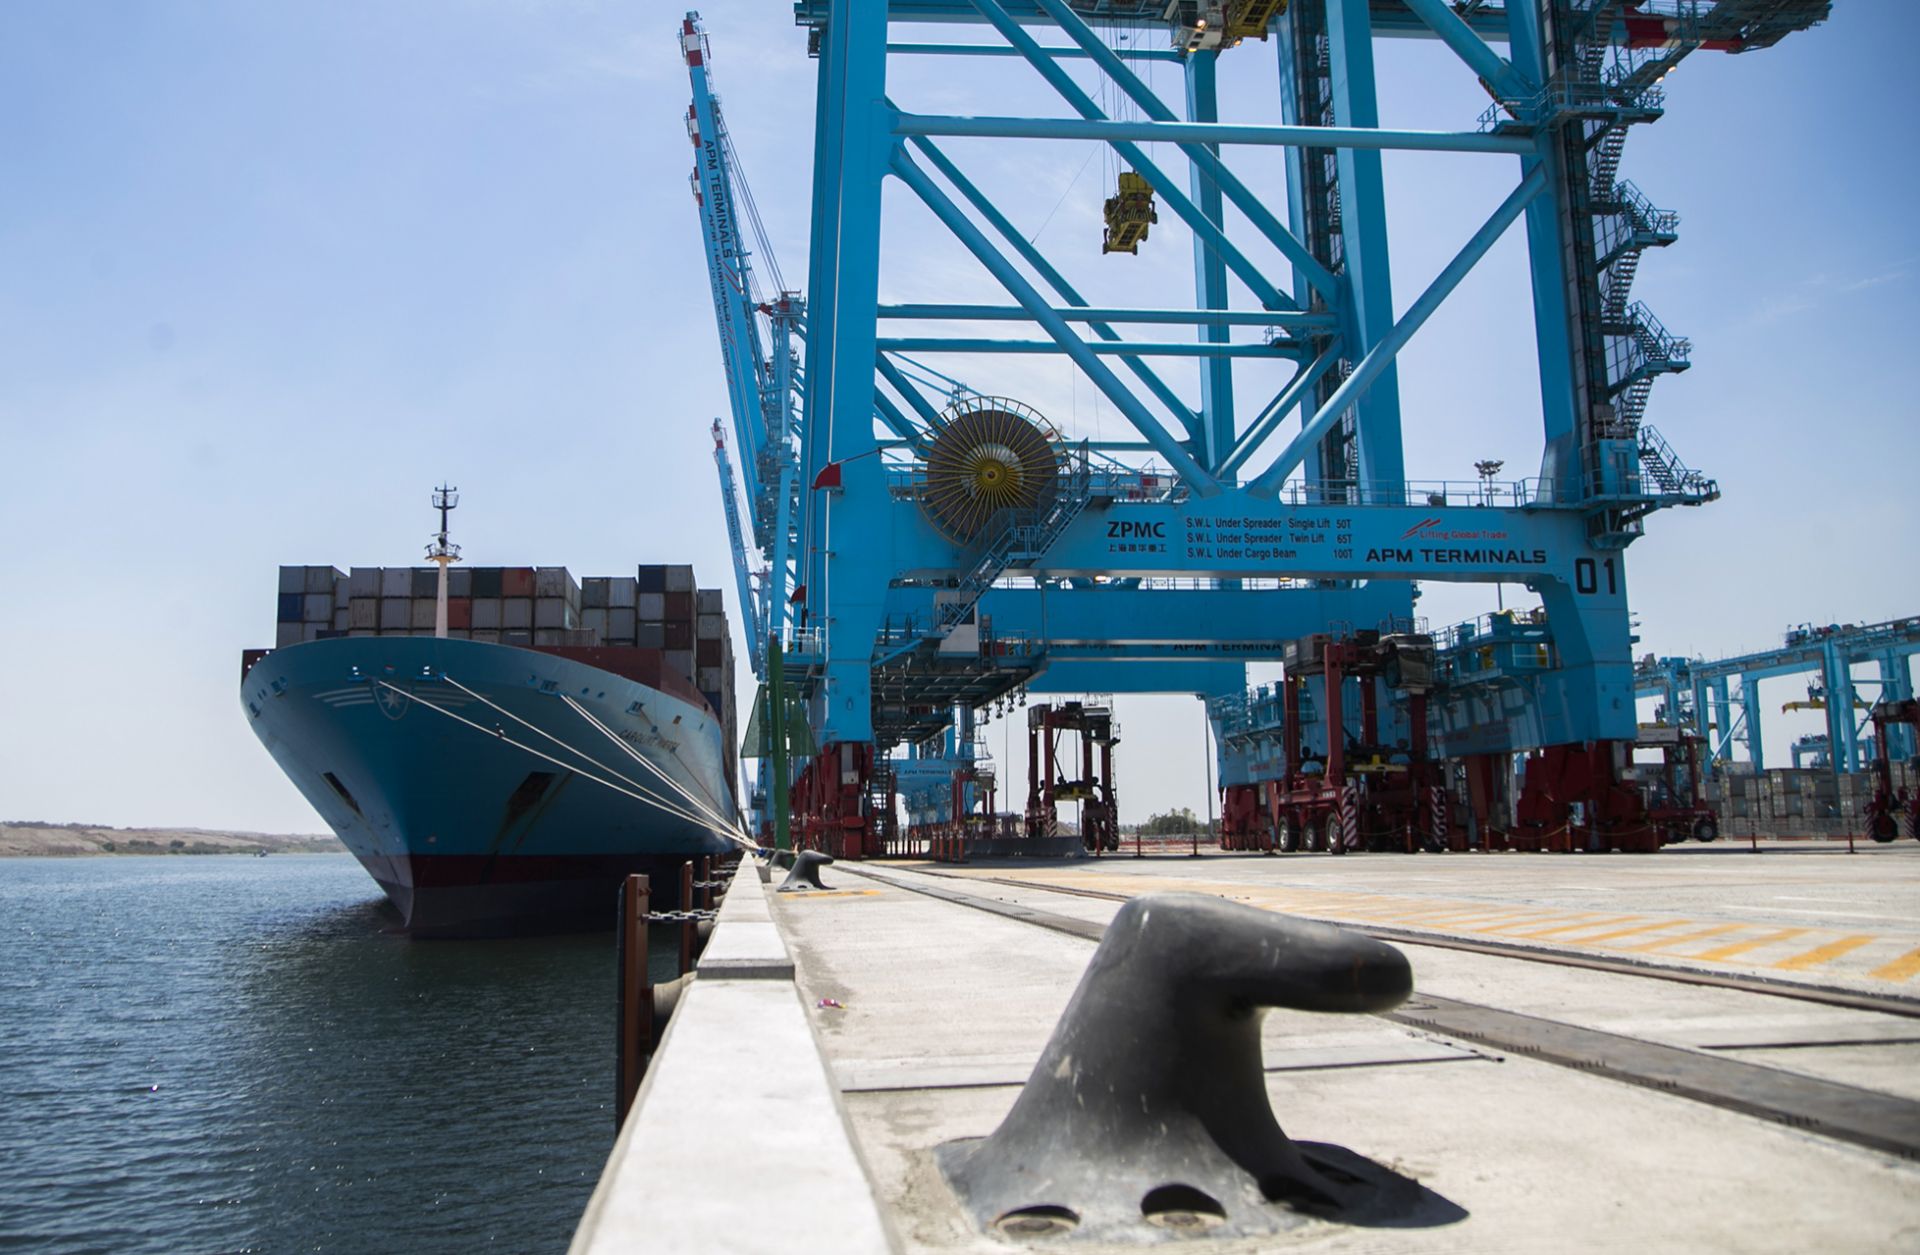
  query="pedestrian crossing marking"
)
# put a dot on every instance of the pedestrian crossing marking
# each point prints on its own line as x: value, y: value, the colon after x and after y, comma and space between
x: 1593, y: 919
x: 1722, y: 953
x: 1902, y: 968
x: 1574, y: 928
x: 1824, y: 954
x: 1626, y: 932
x: 1739, y: 941
x: 1660, y: 943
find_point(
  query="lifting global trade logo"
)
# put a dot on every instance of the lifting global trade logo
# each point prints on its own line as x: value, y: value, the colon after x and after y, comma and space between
x: 1421, y: 526
x: 1433, y: 527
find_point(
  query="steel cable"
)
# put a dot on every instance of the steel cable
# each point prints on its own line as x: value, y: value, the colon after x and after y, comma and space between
x: 637, y: 791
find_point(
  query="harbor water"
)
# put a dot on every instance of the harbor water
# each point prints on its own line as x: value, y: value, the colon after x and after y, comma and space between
x: 241, y: 1054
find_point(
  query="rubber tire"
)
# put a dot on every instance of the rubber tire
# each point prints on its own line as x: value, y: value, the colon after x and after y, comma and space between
x: 1336, y: 841
x: 1286, y: 835
x: 1883, y: 828
x: 1706, y: 828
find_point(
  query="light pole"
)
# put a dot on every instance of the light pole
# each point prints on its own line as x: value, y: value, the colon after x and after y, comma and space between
x: 1488, y: 468
x: 1206, y: 748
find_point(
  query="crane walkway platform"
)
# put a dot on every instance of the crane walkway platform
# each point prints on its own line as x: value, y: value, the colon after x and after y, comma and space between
x: 1549, y: 1087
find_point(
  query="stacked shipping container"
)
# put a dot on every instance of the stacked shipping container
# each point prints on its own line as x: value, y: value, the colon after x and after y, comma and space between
x: 657, y: 608
x: 1796, y: 802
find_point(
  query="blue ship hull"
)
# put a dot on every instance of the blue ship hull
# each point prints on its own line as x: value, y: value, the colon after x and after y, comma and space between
x: 480, y: 801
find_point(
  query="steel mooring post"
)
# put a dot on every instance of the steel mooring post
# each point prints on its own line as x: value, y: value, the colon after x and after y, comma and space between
x: 806, y: 872
x: 1148, y: 1109
x: 686, y: 916
x: 706, y: 882
x: 633, y: 996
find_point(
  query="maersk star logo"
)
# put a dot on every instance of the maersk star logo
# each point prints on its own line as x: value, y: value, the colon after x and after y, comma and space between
x: 393, y: 702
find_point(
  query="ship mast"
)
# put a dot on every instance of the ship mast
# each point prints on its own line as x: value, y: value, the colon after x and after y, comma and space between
x: 443, y: 553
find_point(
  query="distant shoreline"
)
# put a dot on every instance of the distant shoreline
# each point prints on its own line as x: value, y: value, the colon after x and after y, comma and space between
x: 33, y: 840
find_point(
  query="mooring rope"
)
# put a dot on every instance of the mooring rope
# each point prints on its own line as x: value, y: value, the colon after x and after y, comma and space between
x: 713, y: 816
x: 710, y: 806
x: 638, y: 791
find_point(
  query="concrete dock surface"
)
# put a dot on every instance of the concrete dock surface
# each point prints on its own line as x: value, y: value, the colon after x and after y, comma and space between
x: 931, y: 990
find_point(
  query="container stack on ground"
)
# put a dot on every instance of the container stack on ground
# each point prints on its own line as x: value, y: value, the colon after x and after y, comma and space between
x: 1797, y: 803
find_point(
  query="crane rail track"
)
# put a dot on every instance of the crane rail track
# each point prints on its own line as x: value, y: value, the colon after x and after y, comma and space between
x: 1847, y: 1113
x: 1802, y: 991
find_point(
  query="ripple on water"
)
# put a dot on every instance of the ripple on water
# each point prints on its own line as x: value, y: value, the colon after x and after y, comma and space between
x: 244, y: 1054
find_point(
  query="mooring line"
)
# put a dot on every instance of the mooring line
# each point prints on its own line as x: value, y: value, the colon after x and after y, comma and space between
x: 643, y: 795
x: 707, y: 806
x: 714, y: 821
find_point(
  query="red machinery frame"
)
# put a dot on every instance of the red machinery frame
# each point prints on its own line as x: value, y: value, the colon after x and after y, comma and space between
x: 1367, y: 796
x: 830, y: 803
x: 1574, y: 798
x: 1093, y: 788
x: 1884, y: 809
x: 1676, y: 814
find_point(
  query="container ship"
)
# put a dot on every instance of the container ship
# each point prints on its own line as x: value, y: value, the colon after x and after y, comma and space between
x: 500, y: 746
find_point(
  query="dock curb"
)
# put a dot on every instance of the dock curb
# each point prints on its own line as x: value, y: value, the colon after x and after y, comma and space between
x: 739, y: 1090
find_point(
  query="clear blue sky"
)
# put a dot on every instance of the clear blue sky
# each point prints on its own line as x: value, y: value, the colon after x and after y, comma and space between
x: 270, y: 271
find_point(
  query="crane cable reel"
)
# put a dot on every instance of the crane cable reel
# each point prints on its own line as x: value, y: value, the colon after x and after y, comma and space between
x: 988, y: 455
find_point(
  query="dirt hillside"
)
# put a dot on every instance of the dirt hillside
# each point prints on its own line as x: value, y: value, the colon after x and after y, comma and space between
x: 18, y: 839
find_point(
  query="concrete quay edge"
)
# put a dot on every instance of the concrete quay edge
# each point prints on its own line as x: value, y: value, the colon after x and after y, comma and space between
x: 738, y: 1140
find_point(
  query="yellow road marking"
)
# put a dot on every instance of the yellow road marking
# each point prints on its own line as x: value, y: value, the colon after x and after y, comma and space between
x: 1479, y: 918
x: 1439, y: 917
x: 1741, y: 947
x: 1824, y: 954
x: 1622, y: 932
x: 1900, y: 969
x: 1449, y: 916
x: 1366, y: 906
x: 1592, y: 919
x: 1663, y: 942
x: 1462, y: 915
x: 1574, y: 928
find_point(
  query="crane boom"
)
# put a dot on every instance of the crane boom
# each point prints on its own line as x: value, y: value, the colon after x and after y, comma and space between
x: 753, y: 607
x: 758, y: 336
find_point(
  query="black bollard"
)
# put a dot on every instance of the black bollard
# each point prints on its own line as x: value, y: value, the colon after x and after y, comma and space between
x: 806, y: 871
x: 774, y: 860
x: 1149, y: 1106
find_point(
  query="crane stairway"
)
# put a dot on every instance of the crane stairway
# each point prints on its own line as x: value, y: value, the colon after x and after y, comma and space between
x: 1017, y: 538
x: 1662, y: 471
x: 1632, y: 225
x: 1640, y: 349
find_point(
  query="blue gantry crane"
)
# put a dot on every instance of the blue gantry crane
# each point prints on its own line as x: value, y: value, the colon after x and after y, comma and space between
x: 1719, y: 699
x: 948, y: 550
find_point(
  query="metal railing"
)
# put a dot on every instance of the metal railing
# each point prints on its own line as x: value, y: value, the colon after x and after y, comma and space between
x: 1670, y: 474
x: 1574, y: 95
x: 1494, y: 628
x: 805, y: 644
x: 1642, y: 345
x: 1655, y: 341
x: 1648, y: 218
